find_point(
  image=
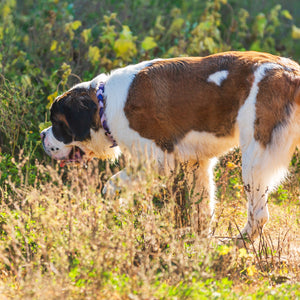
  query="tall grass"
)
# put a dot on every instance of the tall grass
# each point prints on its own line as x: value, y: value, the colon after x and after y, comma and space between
x: 61, y: 239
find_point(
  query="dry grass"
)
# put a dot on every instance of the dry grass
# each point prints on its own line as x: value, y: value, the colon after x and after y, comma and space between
x: 60, y: 239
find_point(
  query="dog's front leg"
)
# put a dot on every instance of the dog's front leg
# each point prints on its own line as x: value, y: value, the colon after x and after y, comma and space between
x: 202, y: 194
x: 114, y: 185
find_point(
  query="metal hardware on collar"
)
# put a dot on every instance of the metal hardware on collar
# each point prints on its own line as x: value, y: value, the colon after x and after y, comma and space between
x: 100, y: 97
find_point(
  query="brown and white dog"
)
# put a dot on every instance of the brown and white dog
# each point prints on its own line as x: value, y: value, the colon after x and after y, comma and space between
x: 194, y: 109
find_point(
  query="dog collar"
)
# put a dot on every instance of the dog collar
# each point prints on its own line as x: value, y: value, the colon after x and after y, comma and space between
x: 100, y: 97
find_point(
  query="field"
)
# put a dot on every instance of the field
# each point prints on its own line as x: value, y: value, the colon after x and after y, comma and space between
x: 59, y: 237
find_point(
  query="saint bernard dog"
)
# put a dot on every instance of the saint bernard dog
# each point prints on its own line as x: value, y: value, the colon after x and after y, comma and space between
x: 193, y: 109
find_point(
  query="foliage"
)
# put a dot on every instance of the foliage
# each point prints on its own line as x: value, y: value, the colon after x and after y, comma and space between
x: 61, y: 239
x: 60, y: 235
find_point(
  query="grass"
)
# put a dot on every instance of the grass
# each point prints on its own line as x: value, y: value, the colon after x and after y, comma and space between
x: 60, y: 239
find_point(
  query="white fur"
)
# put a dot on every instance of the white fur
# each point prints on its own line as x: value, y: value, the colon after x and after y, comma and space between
x: 114, y: 184
x: 246, y: 115
x: 100, y: 146
x: 92, y: 83
x: 204, y: 145
x: 262, y: 168
x: 218, y: 77
x: 116, y: 90
x: 54, y: 147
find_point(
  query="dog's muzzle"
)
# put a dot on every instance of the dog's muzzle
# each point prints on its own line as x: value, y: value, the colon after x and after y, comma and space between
x: 53, y: 147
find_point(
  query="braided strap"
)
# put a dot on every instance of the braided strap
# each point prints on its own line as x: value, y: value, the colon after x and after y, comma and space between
x: 100, y: 97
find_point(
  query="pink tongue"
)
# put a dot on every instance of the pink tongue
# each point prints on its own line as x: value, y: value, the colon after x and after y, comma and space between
x: 62, y: 163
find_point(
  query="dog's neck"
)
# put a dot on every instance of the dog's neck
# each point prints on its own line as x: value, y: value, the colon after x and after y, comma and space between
x: 101, y: 100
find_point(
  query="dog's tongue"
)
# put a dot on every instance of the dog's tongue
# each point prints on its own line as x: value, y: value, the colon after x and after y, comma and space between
x: 62, y: 163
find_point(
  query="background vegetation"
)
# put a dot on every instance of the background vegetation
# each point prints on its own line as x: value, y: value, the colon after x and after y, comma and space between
x: 59, y: 238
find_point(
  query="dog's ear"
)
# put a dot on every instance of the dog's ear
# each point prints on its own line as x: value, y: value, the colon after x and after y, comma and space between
x: 79, y: 110
x: 80, y: 117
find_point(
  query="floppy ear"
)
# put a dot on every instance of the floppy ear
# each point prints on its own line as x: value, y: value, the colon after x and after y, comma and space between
x: 79, y: 110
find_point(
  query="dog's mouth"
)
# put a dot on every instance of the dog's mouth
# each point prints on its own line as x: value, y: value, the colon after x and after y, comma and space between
x: 75, y: 156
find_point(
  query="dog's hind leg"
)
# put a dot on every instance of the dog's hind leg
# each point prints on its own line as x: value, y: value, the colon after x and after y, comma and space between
x: 269, y: 126
x: 262, y: 169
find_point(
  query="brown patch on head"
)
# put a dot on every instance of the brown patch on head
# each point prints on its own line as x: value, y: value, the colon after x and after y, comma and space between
x: 62, y: 118
x: 172, y: 97
x: 276, y: 98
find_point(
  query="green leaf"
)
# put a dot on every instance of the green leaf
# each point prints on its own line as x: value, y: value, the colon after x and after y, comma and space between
x: 148, y: 43
x: 86, y: 35
x: 260, y: 24
x: 287, y: 14
x: 256, y: 46
x: 94, y: 54
x: 125, y: 46
x: 44, y: 125
x: 75, y: 25
x: 295, y: 32
x: 176, y: 25
x: 126, y: 33
x: 210, y: 44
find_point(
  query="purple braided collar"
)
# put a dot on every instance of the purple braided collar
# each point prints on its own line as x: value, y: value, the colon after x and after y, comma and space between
x: 100, y: 97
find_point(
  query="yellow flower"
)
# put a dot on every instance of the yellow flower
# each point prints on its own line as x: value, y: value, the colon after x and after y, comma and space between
x: 224, y: 249
x: 231, y: 165
x: 51, y: 97
x: 251, y: 270
x: 53, y: 45
x: 243, y: 253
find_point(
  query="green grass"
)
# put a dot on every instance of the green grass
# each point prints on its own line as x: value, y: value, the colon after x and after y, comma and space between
x: 60, y: 239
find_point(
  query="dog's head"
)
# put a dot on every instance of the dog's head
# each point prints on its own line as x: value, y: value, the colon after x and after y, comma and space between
x: 76, y: 132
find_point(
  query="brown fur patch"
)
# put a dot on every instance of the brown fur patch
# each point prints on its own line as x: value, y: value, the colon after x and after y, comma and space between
x: 62, y: 118
x: 275, y: 101
x: 172, y: 97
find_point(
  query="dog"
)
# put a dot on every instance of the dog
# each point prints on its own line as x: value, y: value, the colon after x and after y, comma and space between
x: 193, y: 109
